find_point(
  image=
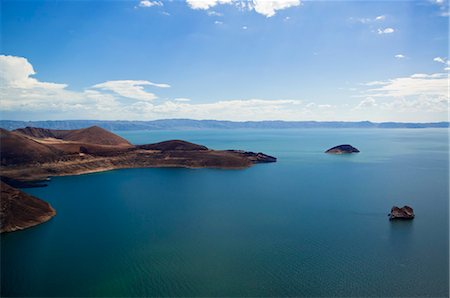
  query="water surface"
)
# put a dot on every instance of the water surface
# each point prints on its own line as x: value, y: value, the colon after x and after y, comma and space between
x: 311, y: 224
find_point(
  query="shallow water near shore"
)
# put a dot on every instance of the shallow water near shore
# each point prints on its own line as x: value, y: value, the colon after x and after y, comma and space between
x: 312, y: 224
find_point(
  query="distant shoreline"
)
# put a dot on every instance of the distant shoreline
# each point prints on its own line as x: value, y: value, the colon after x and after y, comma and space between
x: 189, y: 124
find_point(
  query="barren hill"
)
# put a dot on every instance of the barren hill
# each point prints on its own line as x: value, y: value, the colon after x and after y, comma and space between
x: 91, y: 135
x: 18, y: 149
x: 173, y: 145
x: 41, y: 133
x: 96, y: 135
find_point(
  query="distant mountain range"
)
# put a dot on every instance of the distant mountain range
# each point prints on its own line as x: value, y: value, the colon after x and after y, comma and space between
x: 188, y: 124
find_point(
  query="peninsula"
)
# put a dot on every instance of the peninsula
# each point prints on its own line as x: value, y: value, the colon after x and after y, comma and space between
x: 19, y: 210
x: 31, y: 153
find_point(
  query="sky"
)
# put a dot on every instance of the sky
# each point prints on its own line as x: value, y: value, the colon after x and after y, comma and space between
x: 225, y: 59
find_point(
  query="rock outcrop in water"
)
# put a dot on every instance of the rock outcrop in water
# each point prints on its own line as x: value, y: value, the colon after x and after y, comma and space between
x: 405, y: 212
x: 255, y: 157
x: 35, y: 154
x: 342, y: 149
x: 19, y: 210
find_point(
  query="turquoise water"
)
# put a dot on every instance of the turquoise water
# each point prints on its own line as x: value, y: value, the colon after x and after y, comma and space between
x: 311, y: 224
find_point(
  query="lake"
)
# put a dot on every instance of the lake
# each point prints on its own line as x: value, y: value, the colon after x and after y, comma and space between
x: 312, y: 224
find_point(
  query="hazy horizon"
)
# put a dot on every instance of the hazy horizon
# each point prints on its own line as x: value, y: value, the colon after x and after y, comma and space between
x: 217, y: 120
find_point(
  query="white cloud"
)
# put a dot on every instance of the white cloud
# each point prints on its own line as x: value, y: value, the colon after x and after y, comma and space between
x: 414, y: 85
x: 385, y: 31
x: 440, y: 60
x: 244, y: 27
x: 238, y: 110
x: 267, y: 8
x: 368, y: 20
x: 419, y: 95
x: 20, y: 93
x: 19, y: 90
x: 16, y: 72
x: 422, y: 104
x: 148, y: 3
x: 366, y: 103
x: 400, y: 56
x: 443, y: 61
x: 206, y: 4
x: 362, y: 20
x: 214, y: 13
x: 443, y: 6
x: 375, y: 83
x: 160, y: 85
x: 440, y: 3
x: 407, y: 98
x: 218, y: 22
x: 130, y: 89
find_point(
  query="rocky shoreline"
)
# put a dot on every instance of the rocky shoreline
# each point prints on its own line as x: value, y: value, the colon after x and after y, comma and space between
x: 136, y: 159
x: 34, y: 154
x: 19, y: 210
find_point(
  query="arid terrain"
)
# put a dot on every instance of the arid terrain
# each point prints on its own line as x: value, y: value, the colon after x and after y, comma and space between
x: 30, y: 154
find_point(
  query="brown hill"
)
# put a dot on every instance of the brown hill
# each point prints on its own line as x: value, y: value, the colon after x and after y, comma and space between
x: 96, y: 135
x: 18, y: 149
x: 91, y: 135
x: 41, y: 133
x: 19, y: 210
x: 173, y: 145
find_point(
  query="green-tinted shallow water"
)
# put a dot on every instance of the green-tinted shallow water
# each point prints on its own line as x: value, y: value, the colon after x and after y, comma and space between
x: 311, y: 224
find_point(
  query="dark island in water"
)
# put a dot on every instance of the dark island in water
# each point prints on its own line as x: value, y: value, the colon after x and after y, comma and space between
x: 404, y: 212
x: 342, y: 149
x: 31, y: 153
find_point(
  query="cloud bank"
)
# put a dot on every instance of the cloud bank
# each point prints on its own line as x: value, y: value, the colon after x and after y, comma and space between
x: 425, y: 93
x: 419, y: 97
x: 148, y: 3
x: 267, y: 8
x: 122, y: 99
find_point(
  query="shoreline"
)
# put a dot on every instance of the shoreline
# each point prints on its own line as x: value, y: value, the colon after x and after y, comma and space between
x: 32, y: 155
x: 139, y: 167
x: 43, y: 172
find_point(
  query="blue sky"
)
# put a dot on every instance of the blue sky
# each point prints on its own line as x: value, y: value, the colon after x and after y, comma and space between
x: 223, y: 59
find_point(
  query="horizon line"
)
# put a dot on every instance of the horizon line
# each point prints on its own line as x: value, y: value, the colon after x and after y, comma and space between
x: 235, y: 121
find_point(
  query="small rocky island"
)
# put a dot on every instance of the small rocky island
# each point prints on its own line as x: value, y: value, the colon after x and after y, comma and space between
x: 342, y: 149
x: 405, y: 212
x: 31, y: 154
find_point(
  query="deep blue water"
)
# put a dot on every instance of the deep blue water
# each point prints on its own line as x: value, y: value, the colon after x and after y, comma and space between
x: 311, y: 224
